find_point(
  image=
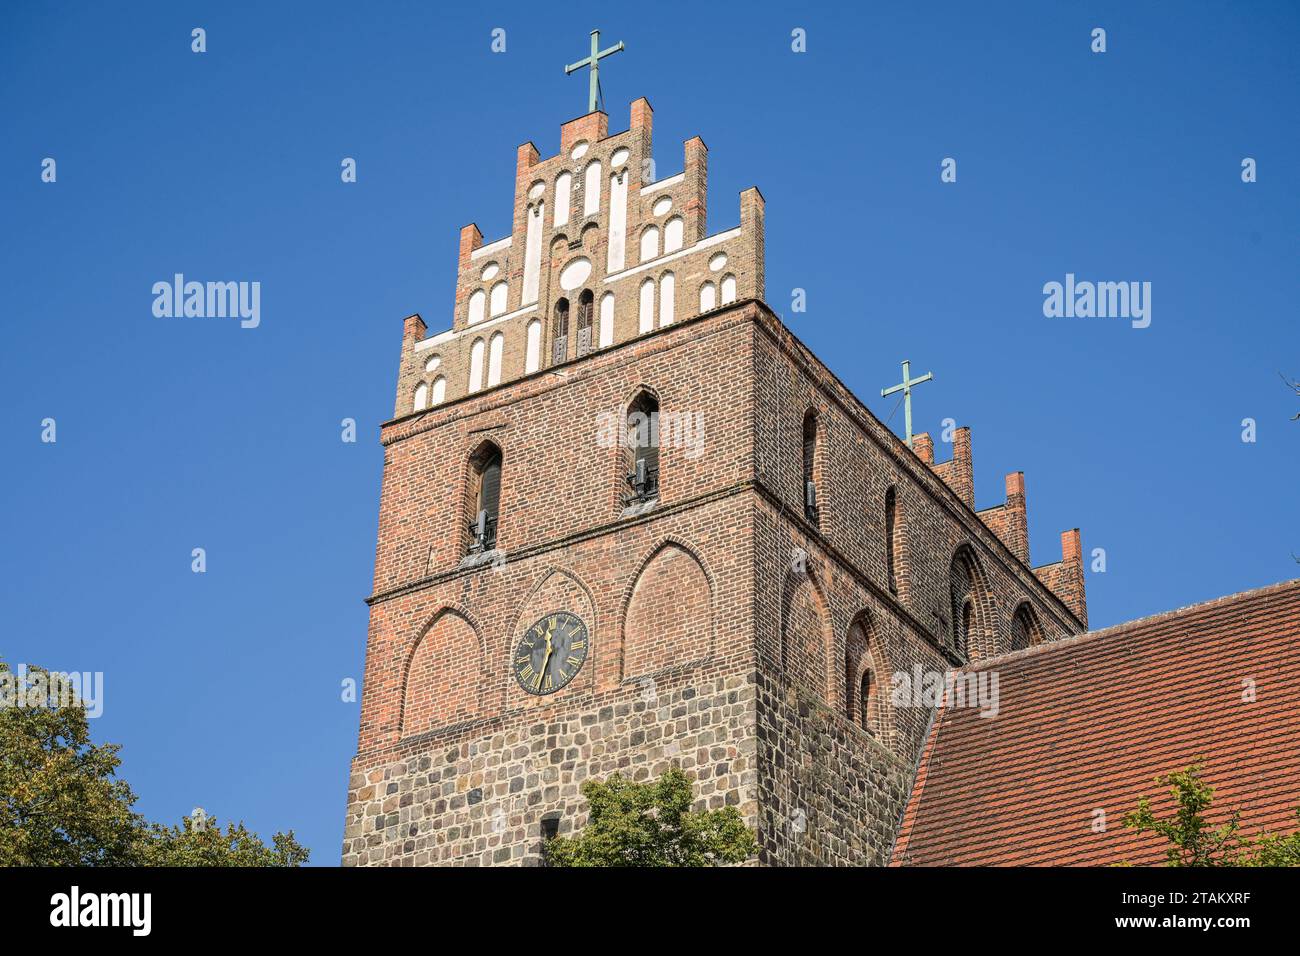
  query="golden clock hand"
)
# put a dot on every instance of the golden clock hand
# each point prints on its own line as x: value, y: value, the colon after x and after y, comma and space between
x: 541, y: 675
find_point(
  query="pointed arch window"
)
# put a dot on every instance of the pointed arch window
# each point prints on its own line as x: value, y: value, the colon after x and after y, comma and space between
x: 891, y: 539
x: 642, y: 448
x: 586, y: 305
x: 1025, y: 629
x: 868, y: 704
x: 865, y: 704
x: 971, y: 606
x: 421, y: 396
x: 560, y: 333
x: 486, y: 498
x: 810, y: 504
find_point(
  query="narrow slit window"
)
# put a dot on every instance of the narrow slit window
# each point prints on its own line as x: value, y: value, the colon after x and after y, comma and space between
x: 810, y: 503
x: 487, y: 500
x: 586, y: 304
x: 642, y: 458
x: 560, y: 333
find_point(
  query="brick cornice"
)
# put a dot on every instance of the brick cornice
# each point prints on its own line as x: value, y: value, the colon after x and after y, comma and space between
x: 555, y: 544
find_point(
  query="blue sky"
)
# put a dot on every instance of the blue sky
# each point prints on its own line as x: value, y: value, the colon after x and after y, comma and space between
x: 173, y: 434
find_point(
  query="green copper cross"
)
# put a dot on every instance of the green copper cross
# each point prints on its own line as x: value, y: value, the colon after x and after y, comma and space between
x: 593, y: 61
x: 905, y: 386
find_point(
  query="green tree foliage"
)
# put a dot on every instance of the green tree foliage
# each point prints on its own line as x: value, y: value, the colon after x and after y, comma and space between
x: 652, y: 824
x: 1192, y: 842
x: 1274, y: 849
x: 61, y: 803
x: 203, y: 843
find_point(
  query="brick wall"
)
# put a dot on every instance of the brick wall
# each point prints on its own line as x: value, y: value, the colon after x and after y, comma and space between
x: 727, y: 633
x: 861, y: 460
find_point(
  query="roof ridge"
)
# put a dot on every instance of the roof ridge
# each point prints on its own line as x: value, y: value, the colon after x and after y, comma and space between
x: 1124, y: 626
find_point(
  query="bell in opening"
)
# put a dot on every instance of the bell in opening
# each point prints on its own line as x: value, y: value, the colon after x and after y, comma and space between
x: 809, y: 464
x: 483, y: 526
x: 560, y: 333
x: 586, y: 306
x: 642, y: 445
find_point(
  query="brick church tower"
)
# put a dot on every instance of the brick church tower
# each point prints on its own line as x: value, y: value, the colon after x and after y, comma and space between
x: 629, y: 521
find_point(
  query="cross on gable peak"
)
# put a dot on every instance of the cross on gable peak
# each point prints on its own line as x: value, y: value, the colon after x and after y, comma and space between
x: 593, y: 61
x: 905, y: 386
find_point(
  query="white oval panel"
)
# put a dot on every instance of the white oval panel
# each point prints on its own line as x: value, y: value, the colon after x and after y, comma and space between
x: 619, y: 158
x: 579, y: 151
x: 718, y: 262
x: 662, y: 206
x: 575, y: 274
x: 490, y: 272
x: 536, y: 191
x: 433, y: 363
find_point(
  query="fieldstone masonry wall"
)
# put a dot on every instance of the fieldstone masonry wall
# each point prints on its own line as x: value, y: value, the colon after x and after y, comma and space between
x: 479, y: 798
x: 829, y: 794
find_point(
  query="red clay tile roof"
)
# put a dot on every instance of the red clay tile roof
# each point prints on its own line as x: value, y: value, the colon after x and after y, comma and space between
x: 1087, y: 723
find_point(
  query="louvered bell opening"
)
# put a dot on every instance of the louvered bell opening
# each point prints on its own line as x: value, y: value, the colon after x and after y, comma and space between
x: 584, y: 323
x: 560, y: 333
x: 484, y: 529
x: 643, y: 449
x: 809, y: 446
x: 809, y: 454
x: 647, y: 467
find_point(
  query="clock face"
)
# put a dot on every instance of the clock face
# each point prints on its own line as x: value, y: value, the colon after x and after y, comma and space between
x: 551, y: 653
